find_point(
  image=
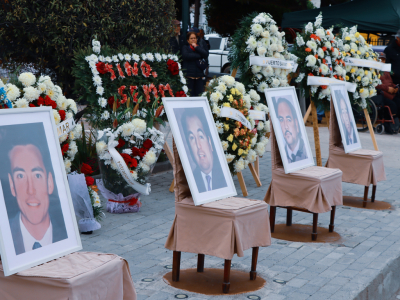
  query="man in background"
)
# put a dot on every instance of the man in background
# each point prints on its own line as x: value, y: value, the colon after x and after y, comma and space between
x: 392, y: 52
x: 176, y: 41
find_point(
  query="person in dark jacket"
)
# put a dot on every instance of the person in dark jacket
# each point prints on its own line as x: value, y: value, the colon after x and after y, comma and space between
x: 177, y: 41
x: 192, y: 54
x: 392, y: 52
x: 389, y: 89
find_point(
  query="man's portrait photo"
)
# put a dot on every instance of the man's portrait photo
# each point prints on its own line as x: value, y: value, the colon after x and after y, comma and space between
x: 344, y: 116
x: 290, y: 128
x: 200, y: 148
x: 29, y: 187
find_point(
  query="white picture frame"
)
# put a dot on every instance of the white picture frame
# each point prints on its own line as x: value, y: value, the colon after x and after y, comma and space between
x: 199, y: 127
x: 34, y: 191
x: 340, y: 99
x: 294, y: 146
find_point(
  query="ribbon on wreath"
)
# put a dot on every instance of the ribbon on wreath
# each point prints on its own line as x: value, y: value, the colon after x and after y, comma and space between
x: 316, y: 80
x: 257, y: 115
x: 273, y: 62
x: 231, y: 113
x: 65, y: 126
x: 356, y: 62
x: 124, y: 170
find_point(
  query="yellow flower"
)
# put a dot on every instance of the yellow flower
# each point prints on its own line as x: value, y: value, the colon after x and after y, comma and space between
x: 361, y: 91
x: 226, y: 126
x: 344, y: 53
x: 371, y: 91
x: 353, y: 51
x: 233, y: 92
x: 230, y: 138
x: 373, y: 73
x: 351, y: 71
x: 357, y: 34
x: 358, y: 52
x: 240, y: 151
x: 226, y: 104
x: 246, y: 152
x: 50, y: 93
x: 234, y: 146
x: 347, y: 38
x: 367, y: 54
x: 230, y: 98
x: 357, y: 42
x: 347, y: 78
x: 358, y: 78
x: 379, y: 76
x: 366, y: 72
x: 374, y: 54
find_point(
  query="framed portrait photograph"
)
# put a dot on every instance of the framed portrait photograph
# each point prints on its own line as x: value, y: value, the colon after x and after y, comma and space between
x: 37, y: 218
x: 345, y: 118
x: 289, y: 128
x: 199, y: 148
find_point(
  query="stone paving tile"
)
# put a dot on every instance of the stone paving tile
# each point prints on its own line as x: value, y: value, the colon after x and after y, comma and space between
x: 370, y: 241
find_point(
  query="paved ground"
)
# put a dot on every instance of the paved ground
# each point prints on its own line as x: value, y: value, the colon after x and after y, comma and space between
x: 371, y: 242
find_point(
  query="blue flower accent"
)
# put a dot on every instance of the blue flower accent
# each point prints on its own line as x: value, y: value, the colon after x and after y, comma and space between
x: 3, y: 98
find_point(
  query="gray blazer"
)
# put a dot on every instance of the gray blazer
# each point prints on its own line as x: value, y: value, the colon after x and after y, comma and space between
x: 59, y: 232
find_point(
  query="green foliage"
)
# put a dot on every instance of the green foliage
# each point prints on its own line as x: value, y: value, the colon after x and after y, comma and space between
x: 86, y: 90
x: 47, y: 32
x: 223, y: 15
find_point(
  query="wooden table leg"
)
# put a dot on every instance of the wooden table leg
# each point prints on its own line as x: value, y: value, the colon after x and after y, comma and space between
x: 315, y: 227
x: 373, y: 193
x: 176, y: 265
x: 365, y: 196
x: 289, y: 214
x: 172, y: 186
x: 254, y: 258
x: 255, y: 175
x: 272, y: 213
x: 257, y: 166
x: 332, y: 222
x: 200, y: 263
x: 227, y: 273
x: 242, y: 184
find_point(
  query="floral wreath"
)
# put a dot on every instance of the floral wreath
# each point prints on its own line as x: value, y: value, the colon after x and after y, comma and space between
x: 4, y: 101
x: 366, y: 79
x: 237, y: 140
x: 312, y: 47
x: 138, y: 145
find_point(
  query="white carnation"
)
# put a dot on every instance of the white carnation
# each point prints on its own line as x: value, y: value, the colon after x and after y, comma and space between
x: 320, y: 32
x: 311, y: 60
x: 261, y: 51
x: 102, y: 102
x: 105, y: 115
x: 140, y: 126
x: 101, y: 147
x: 321, y: 53
x: 149, y: 158
x: 311, y: 44
x: 225, y: 145
x: 324, y: 69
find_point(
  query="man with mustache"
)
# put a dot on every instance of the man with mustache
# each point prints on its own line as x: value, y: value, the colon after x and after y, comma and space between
x: 349, y: 131
x: 208, y: 172
x: 294, y: 144
x: 32, y: 184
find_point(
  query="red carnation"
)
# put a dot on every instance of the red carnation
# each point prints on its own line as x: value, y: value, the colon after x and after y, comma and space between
x: 173, y: 67
x: 131, y: 162
x: 111, y: 102
x: 86, y: 169
x: 101, y: 67
x: 180, y: 94
x: 121, y: 143
x: 147, y: 144
x: 64, y: 148
x: 40, y: 101
x: 143, y: 152
x: 135, y: 151
x: 32, y: 105
x: 89, y: 180
x: 62, y: 114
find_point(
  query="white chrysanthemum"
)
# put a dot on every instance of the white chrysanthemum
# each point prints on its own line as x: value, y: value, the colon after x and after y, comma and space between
x: 326, y: 92
x: 273, y: 29
x: 324, y: 69
x: 240, y: 165
x: 219, y: 126
x: 21, y: 103
x: 256, y: 29
x: 27, y: 79
x: 225, y: 145
x: 67, y: 164
x: 150, y: 56
x: 30, y: 93
x: 12, y: 92
x: 101, y: 147
x: 354, y: 46
x: 265, y: 34
x: 72, y: 105
x: 277, y: 71
x: 100, y: 90
x: 255, y: 69
x: 262, y: 86
x: 134, y: 175
x: 229, y: 80
x: 251, y: 156
x: 149, y: 158
x: 365, y: 81
x: 62, y: 138
x: 311, y: 60
x: 260, y: 125
x: 251, y: 43
x: 247, y: 101
x: 254, y: 95
x: 320, y: 32
x: 216, y: 110
x: 57, y: 117
x: 280, y: 48
x: 144, y: 167
x: 139, y: 126
x: 102, y: 102
x: 275, y: 82
x: 127, y: 129
x: 229, y: 158
x: 105, y: 115
x: 261, y: 51
x: 215, y: 97
x: 77, y: 131
x: 260, y: 149
x: 300, y: 41
x: 73, y: 149
x: 321, y: 53
x: 312, y: 45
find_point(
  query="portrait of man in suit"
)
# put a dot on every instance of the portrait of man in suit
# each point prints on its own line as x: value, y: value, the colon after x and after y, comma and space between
x: 294, y: 145
x: 348, y: 128
x: 30, y: 194
x: 208, y: 172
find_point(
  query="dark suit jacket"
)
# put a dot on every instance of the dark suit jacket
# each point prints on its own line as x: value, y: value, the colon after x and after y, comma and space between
x: 347, y: 136
x: 59, y: 232
x: 300, y: 155
x: 218, y: 178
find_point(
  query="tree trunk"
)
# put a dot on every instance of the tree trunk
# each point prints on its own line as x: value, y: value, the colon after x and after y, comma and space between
x: 196, y: 13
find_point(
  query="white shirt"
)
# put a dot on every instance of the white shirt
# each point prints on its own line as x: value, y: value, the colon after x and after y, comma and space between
x: 294, y: 152
x: 351, y: 137
x: 205, y: 180
x: 29, y: 240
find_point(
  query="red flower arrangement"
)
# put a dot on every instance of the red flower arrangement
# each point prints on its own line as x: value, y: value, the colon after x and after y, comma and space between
x: 86, y: 169
x: 180, y: 94
x: 173, y: 67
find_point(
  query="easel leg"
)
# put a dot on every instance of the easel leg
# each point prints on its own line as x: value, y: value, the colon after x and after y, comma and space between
x: 289, y: 214
x: 176, y: 265
x: 256, y: 166
x: 315, y: 227
x: 272, y: 213
x: 227, y: 273
x: 373, y: 193
x: 255, y: 176
x: 254, y: 258
x: 172, y: 186
x: 365, y: 196
x: 371, y: 129
x: 242, y: 184
x: 328, y: 117
x: 200, y: 263
x: 332, y: 223
x: 168, y: 152
x: 307, y: 114
x: 316, y: 134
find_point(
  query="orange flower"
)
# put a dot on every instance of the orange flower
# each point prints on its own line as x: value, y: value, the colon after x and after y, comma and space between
x: 324, y: 87
x: 236, y: 132
x: 324, y: 48
x: 308, y: 49
x: 324, y: 61
x: 310, y: 74
x: 335, y: 76
x: 316, y: 56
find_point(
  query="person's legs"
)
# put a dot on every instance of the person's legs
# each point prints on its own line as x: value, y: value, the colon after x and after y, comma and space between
x: 190, y: 84
x: 198, y: 87
x: 392, y: 105
x: 396, y: 101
